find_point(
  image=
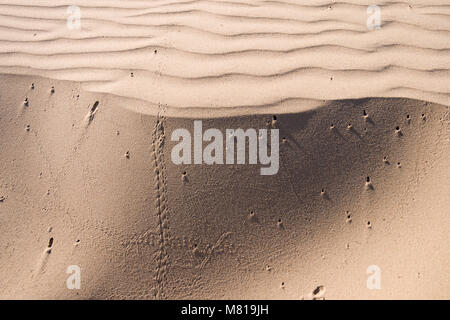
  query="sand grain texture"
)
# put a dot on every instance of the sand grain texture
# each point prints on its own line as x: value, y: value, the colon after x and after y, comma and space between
x: 86, y: 176
x: 202, y: 54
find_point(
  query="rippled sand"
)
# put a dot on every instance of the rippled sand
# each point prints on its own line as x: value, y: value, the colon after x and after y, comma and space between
x: 86, y: 176
x: 234, y: 54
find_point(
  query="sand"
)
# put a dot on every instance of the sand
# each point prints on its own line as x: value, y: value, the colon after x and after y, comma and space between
x: 87, y: 179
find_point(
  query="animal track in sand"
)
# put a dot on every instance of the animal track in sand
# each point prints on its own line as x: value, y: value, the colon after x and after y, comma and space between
x: 252, y: 216
x: 280, y: 224
x: 274, y: 122
x: 349, y: 218
x: 184, y: 177
x: 319, y: 293
x: 50, y: 243
x: 91, y: 114
x: 365, y: 116
x: 43, y: 258
x: 369, y: 185
x: 324, y: 194
x: 162, y: 212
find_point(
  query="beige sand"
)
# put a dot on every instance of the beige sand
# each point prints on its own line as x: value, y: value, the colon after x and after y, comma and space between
x: 205, y: 54
x: 86, y: 177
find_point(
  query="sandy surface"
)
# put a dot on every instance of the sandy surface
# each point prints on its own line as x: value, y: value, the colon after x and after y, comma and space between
x: 86, y: 176
x: 214, y: 54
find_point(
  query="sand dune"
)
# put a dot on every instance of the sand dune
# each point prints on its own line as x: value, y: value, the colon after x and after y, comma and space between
x: 200, y: 54
x: 87, y: 179
x: 79, y: 170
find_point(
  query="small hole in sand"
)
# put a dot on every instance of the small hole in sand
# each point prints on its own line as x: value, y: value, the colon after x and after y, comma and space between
x: 368, y: 179
x: 50, y: 243
x: 280, y: 224
x: 319, y: 290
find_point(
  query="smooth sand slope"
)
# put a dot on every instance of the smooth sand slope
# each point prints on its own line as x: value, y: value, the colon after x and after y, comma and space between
x: 139, y: 228
x: 86, y: 176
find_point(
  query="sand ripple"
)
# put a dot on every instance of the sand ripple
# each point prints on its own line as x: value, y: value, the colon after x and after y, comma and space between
x: 234, y: 54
